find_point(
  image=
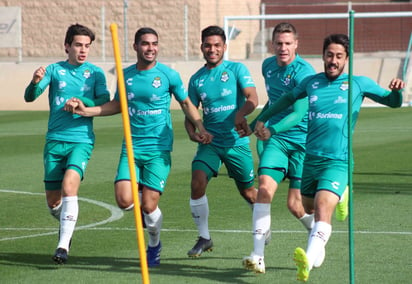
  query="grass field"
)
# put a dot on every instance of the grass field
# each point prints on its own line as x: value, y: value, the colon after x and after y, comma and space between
x: 104, y: 247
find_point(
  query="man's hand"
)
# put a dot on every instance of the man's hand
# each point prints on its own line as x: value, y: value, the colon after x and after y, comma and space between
x: 203, y: 137
x: 261, y: 132
x: 38, y: 74
x: 76, y: 106
x: 396, y: 84
x: 241, y: 126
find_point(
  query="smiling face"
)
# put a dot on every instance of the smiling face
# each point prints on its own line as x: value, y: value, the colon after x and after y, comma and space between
x: 334, y: 60
x: 147, y: 49
x: 213, y: 48
x: 285, y: 45
x: 78, y: 50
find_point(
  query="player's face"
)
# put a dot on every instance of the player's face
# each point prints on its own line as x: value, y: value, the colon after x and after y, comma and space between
x: 78, y: 50
x: 147, y: 49
x: 285, y: 45
x: 213, y: 49
x: 334, y: 60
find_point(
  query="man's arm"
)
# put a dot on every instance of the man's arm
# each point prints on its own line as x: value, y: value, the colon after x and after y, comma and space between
x: 394, y: 98
x: 300, y: 107
x: 100, y: 100
x: 77, y: 106
x: 281, y: 104
x: 250, y: 105
x: 193, y: 121
x: 32, y: 90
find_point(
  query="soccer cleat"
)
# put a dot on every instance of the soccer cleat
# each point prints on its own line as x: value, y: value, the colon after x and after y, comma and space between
x: 341, y: 211
x: 268, y: 237
x: 153, y: 255
x: 60, y: 256
x: 302, y: 265
x: 201, y: 246
x: 254, y: 263
x: 319, y: 260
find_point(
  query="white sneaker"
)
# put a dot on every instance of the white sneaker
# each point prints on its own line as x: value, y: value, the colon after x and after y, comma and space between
x: 254, y: 263
x: 319, y: 260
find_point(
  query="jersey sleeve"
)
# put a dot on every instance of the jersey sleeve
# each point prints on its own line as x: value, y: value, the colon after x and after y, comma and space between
x: 192, y: 92
x: 373, y: 91
x: 33, y: 91
x: 245, y: 80
x: 102, y: 94
x: 300, y: 107
x: 177, y: 87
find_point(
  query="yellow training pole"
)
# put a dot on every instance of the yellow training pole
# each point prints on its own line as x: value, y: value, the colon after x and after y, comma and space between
x: 130, y: 156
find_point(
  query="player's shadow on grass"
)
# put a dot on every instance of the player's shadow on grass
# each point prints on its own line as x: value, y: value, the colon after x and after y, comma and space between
x: 380, y: 187
x: 208, y: 268
x: 202, y: 268
x: 45, y: 262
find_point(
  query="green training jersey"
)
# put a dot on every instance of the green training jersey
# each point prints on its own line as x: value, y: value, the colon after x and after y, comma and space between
x: 280, y: 80
x: 219, y: 90
x: 66, y: 81
x: 328, y: 111
x: 149, y: 96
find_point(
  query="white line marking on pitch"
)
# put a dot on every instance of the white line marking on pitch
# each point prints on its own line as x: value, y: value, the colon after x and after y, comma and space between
x: 116, y: 214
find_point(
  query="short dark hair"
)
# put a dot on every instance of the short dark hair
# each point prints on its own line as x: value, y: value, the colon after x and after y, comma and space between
x: 341, y: 39
x: 284, y: 28
x: 78, y: 29
x: 213, y: 30
x: 142, y: 31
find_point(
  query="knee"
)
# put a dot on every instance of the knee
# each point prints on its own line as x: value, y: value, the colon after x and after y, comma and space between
x: 53, y: 198
x: 124, y: 204
x: 250, y: 194
x: 198, y: 187
x: 148, y: 208
x: 265, y: 194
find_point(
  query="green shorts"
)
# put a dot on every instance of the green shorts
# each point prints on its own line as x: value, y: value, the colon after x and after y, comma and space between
x: 238, y: 161
x: 281, y: 159
x: 321, y: 173
x: 59, y: 156
x: 152, y: 168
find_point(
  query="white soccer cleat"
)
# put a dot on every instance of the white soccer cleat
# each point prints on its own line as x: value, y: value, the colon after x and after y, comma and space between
x: 254, y: 263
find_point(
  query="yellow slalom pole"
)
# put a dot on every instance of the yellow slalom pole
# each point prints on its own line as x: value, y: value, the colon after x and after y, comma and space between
x: 130, y: 156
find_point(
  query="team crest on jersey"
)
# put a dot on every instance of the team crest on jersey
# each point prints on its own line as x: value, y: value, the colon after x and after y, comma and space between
x: 344, y: 86
x: 156, y: 82
x: 86, y: 74
x: 286, y: 81
x: 224, y: 77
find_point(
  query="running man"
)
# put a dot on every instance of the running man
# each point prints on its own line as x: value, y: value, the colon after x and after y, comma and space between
x: 149, y: 86
x: 69, y: 138
x: 283, y: 140
x: 325, y: 171
x: 227, y: 94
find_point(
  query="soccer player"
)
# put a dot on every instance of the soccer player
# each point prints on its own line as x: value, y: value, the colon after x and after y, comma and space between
x: 283, y: 137
x: 149, y: 86
x: 69, y: 138
x: 325, y: 171
x: 227, y: 94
